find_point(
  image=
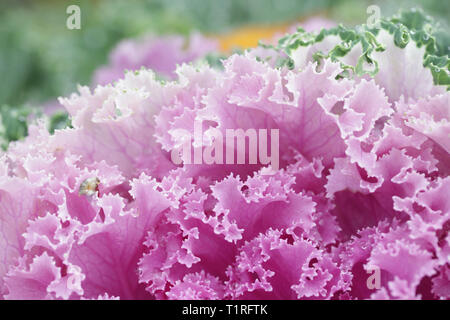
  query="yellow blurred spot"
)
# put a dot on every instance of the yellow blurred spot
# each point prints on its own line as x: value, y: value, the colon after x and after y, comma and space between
x: 249, y: 36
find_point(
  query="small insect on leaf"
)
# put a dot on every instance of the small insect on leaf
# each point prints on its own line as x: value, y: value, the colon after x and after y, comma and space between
x: 89, y: 186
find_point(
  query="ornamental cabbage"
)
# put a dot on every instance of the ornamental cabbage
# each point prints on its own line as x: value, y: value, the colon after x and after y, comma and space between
x: 99, y: 210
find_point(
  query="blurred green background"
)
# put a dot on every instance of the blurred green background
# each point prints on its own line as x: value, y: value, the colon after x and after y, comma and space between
x: 40, y: 59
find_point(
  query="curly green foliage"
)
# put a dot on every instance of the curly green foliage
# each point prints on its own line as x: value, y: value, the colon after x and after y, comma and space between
x: 415, y: 25
x: 412, y: 25
x: 350, y: 38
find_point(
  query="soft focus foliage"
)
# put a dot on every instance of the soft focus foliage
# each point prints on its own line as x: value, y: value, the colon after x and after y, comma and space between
x: 161, y: 54
x: 44, y: 60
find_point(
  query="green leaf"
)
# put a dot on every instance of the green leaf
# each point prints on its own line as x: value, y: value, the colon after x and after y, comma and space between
x: 59, y: 120
x: 13, y: 124
x: 407, y: 26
